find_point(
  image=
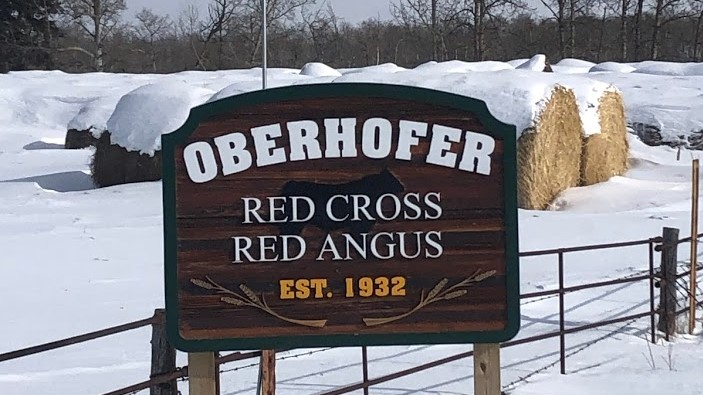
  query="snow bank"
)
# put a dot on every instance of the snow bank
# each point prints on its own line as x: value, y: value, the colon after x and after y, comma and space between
x: 575, y: 63
x: 458, y: 66
x: 669, y: 68
x: 516, y: 62
x: 513, y: 96
x: 673, y: 105
x: 536, y: 63
x: 612, y: 67
x: 381, y: 68
x: 238, y: 88
x: 319, y: 70
x: 144, y: 114
x: 93, y: 115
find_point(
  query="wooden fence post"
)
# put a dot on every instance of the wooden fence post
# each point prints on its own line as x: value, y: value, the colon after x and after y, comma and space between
x: 202, y: 373
x: 163, y: 356
x: 695, y: 173
x: 268, y: 372
x: 487, y: 369
x: 667, y: 301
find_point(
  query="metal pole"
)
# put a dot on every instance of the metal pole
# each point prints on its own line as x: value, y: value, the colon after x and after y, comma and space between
x: 365, y: 368
x: 264, y: 51
x: 562, y: 340
x: 694, y: 247
x: 652, y: 310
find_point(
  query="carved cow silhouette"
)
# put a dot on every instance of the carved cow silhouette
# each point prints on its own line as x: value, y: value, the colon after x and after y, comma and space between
x: 373, y: 186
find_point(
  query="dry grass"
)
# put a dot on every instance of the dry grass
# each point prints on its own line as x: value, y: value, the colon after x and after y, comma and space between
x: 549, y: 158
x: 114, y: 165
x: 77, y: 139
x: 605, y: 154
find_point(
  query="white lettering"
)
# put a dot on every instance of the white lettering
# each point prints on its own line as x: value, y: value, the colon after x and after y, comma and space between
x: 396, y: 207
x: 477, y: 153
x: 200, y: 162
x: 248, y: 210
x: 408, y: 137
x: 233, y: 154
x: 328, y: 246
x: 240, y: 250
x: 340, y: 132
x: 265, y: 142
x: 433, y: 205
x: 377, y: 138
x: 360, y: 249
x: 374, y: 246
x: 303, y: 139
x: 403, y: 253
x: 281, y: 208
x: 310, y: 208
x: 439, y: 147
x: 328, y: 208
x: 301, y: 247
x: 412, y: 206
x: 434, y: 243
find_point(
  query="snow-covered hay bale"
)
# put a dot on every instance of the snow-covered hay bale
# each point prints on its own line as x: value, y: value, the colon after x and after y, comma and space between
x: 538, y: 62
x: 114, y: 165
x: 319, y: 70
x: 77, y: 139
x: 605, y: 154
x: 549, y: 155
x: 85, y: 128
x: 130, y: 151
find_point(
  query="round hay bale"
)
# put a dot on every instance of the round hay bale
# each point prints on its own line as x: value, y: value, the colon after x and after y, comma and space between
x: 605, y: 154
x: 549, y: 157
x: 114, y: 165
x: 78, y: 139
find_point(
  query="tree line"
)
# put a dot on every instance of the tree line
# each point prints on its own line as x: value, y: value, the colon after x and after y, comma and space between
x: 95, y: 35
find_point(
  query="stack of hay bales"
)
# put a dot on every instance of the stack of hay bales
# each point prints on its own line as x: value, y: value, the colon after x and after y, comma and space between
x: 549, y: 153
x: 544, y: 111
x: 571, y: 130
x: 129, y: 150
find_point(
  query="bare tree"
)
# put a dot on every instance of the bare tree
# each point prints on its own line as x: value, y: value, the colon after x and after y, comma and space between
x: 665, y: 12
x: 278, y: 12
x: 698, y: 8
x: 438, y: 17
x: 150, y: 28
x: 188, y: 27
x: 318, y: 23
x: 481, y: 11
x: 98, y: 19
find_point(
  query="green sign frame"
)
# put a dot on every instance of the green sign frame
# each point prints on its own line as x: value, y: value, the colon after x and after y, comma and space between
x: 496, y: 128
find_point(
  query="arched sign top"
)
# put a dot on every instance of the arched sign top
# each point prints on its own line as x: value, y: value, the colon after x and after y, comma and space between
x: 340, y: 214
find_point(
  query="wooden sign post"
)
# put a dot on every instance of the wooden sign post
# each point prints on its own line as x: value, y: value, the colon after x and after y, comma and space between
x: 487, y: 369
x: 340, y: 215
x: 202, y: 373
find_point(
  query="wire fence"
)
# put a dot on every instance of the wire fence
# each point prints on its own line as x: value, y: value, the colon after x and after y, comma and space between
x: 651, y: 275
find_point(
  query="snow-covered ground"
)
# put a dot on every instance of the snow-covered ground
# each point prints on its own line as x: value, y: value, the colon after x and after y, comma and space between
x: 75, y: 259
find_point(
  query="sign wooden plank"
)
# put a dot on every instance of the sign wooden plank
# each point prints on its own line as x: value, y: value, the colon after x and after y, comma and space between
x: 340, y: 214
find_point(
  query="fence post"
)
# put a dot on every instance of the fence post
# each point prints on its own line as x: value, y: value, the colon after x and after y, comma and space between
x: 365, y: 368
x: 487, y: 369
x: 268, y: 372
x: 667, y: 301
x: 163, y: 356
x: 202, y: 372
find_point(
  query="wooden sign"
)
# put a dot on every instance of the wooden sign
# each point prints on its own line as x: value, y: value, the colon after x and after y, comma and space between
x: 339, y: 215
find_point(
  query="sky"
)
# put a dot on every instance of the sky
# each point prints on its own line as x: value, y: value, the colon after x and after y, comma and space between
x: 351, y: 10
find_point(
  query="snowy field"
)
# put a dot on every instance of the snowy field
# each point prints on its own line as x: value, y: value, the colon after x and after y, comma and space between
x: 76, y: 259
